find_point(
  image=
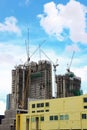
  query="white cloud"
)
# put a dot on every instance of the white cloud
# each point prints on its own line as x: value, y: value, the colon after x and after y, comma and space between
x: 71, y: 48
x: 10, y: 56
x: 2, y: 107
x: 82, y: 72
x: 10, y: 25
x: 71, y: 16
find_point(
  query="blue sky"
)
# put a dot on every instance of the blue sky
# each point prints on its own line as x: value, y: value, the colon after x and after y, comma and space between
x: 59, y: 25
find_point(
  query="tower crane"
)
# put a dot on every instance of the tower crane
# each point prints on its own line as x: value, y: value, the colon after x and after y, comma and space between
x: 68, y: 68
x: 26, y: 83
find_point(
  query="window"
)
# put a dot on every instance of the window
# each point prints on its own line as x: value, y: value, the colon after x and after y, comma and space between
x: 38, y: 111
x: 33, y: 105
x: 38, y: 105
x: 33, y: 119
x: 47, y: 110
x: 42, y: 118
x: 42, y: 104
x: 47, y: 104
x: 66, y: 117
x: 85, y: 107
x: 85, y: 99
x: 33, y: 111
x: 51, y: 117
x: 61, y: 117
x: 55, y: 117
x: 83, y: 116
x: 42, y: 110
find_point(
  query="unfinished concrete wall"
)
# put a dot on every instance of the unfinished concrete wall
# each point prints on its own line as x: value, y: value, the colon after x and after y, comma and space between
x: 41, y: 80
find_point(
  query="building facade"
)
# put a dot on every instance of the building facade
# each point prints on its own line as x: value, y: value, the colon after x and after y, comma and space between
x: 55, y: 114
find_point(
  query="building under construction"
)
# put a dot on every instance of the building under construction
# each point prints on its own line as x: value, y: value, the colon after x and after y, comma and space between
x: 68, y: 85
x: 31, y: 81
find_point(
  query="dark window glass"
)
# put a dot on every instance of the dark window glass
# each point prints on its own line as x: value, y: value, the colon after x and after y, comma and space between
x: 38, y: 105
x: 47, y: 110
x: 42, y: 118
x: 33, y: 105
x: 85, y: 107
x: 33, y: 111
x: 83, y: 116
x: 42, y: 104
x: 47, y: 104
x: 42, y: 110
x: 51, y: 117
x: 38, y: 111
x: 85, y: 99
x: 56, y: 117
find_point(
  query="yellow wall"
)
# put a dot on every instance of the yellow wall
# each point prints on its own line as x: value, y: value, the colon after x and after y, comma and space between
x: 69, y: 111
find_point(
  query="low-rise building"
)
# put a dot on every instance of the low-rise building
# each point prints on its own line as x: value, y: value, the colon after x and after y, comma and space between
x: 55, y: 114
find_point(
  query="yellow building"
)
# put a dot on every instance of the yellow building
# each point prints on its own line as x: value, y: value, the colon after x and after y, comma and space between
x: 55, y: 114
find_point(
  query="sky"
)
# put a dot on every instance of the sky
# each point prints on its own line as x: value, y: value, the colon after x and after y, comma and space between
x: 52, y: 29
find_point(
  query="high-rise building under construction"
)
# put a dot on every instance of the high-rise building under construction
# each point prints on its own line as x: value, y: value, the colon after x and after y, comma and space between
x: 31, y: 81
x: 68, y: 85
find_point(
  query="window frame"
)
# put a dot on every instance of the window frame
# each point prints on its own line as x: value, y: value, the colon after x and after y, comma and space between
x: 38, y: 105
x: 55, y: 117
x: 42, y: 104
x: 61, y: 117
x: 85, y: 99
x: 33, y: 105
x: 42, y: 118
x: 51, y: 118
x: 85, y: 107
x: 47, y: 104
x: 83, y: 116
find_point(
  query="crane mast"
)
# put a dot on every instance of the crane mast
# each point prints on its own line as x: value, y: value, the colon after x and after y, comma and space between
x: 68, y: 69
